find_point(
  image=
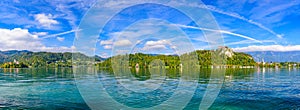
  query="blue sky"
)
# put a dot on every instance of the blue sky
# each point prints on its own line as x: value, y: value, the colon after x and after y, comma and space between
x: 246, y: 25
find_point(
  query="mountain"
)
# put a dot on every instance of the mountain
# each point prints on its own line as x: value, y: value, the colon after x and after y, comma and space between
x: 224, y: 50
x: 98, y: 58
x: 39, y: 59
x: 235, y: 58
x: 5, y: 55
x: 272, y: 56
x: 12, y: 52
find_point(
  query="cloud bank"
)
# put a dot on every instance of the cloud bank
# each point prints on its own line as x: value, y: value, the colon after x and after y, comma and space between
x: 22, y: 39
x: 280, y: 48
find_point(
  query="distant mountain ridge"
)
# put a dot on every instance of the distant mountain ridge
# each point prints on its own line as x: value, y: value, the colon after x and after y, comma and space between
x: 29, y: 56
x: 5, y: 55
x: 259, y: 56
x: 11, y: 52
x: 276, y: 56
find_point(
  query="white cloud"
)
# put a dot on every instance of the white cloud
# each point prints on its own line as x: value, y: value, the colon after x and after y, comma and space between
x: 106, y: 42
x: 60, y: 39
x: 22, y: 39
x: 159, y: 42
x: 107, y: 46
x: 156, y: 45
x: 268, y: 48
x: 18, y: 39
x: 45, y: 20
x: 174, y: 47
x: 40, y: 33
x: 55, y: 49
x: 122, y: 43
x: 249, y: 42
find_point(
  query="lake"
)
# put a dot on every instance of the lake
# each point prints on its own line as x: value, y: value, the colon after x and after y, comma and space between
x: 55, y: 88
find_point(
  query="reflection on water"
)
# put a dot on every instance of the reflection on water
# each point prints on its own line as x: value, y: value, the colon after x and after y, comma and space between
x: 203, y: 77
x: 54, y: 88
x: 43, y: 88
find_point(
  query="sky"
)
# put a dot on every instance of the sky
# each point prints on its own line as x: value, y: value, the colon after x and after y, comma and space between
x: 245, y: 25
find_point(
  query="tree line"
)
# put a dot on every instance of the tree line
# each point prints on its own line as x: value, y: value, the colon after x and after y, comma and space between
x: 204, y: 59
x: 40, y: 59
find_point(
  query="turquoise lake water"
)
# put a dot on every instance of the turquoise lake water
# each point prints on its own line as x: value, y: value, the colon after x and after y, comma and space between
x: 55, y: 88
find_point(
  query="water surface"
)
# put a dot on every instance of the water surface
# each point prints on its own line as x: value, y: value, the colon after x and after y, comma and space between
x: 55, y: 88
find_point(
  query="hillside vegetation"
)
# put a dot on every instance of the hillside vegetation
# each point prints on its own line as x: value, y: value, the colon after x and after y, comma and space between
x: 23, y: 59
x: 204, y: 58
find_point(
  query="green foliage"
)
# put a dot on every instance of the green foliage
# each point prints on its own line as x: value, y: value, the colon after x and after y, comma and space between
x: 14, y: 65
x: 241, y: 59
x: 280, y: 65
x: 143, y: 60
x: 202, y: 58
x: 42, y: 59
x: 172, y: 61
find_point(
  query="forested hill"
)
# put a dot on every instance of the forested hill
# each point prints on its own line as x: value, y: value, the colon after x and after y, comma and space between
x: 21, y: 59
x: 204, y: 58
x: 15, y: 59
